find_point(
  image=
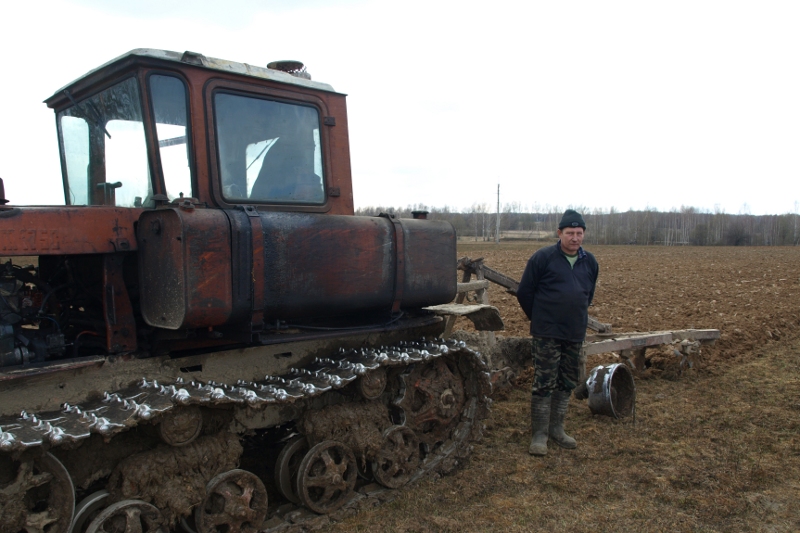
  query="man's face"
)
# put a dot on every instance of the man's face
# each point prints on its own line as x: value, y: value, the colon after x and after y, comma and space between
x: 571, y: 240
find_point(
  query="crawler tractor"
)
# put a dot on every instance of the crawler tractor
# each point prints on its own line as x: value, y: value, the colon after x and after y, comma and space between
x: 204, y: 337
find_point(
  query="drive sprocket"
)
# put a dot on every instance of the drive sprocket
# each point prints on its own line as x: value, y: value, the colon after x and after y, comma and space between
x: 432, y: 398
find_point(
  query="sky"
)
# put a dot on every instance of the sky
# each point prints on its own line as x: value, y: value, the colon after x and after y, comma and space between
x: 584, y: 103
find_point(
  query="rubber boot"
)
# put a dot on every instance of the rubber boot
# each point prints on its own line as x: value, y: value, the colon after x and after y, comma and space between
x: 557, y: 414
x: 540, y: 419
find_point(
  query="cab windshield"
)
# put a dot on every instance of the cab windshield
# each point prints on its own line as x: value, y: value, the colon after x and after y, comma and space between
x: 104, y: 148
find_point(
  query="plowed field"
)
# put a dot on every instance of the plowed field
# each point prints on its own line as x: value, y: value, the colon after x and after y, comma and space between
x: 752, y: 295
x: 711, y: 448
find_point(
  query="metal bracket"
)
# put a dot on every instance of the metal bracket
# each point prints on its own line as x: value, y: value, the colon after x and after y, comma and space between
x: 257, y: 272
x: 400, y: 264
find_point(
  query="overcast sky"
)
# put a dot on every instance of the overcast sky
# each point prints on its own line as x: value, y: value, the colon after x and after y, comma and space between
x: 595, y: 104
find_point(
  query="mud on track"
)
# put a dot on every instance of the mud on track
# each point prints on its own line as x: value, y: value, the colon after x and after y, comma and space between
x: 714, y: 448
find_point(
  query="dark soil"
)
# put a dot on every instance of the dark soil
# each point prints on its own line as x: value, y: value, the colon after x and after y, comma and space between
x: 715, y: 447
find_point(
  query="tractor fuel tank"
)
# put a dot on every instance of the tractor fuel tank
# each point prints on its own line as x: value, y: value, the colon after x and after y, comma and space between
x: 185, y: 267
x: 206, y: 268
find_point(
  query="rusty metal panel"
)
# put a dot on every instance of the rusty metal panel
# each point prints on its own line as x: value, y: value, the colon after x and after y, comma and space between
x: 329, y: 265
x: 185, y: 268
x: 322, y: 265
x: 430, y: 261
x: 63, y: 230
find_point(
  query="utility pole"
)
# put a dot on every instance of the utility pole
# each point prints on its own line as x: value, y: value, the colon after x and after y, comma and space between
x: 497, y: 218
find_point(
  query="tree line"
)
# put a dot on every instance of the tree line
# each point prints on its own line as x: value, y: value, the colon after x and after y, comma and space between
x: 684, y: 226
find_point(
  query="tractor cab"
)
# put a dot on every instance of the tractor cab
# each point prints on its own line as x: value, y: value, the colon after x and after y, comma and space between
x: 153, y: 127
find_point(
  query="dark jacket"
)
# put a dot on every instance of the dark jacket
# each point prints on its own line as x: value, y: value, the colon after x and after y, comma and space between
x: 556, y: 297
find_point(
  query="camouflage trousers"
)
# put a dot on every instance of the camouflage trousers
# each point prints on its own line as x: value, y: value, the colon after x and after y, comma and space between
x: 556, y: 365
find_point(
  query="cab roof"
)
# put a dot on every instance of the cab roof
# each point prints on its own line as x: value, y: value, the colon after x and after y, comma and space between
x: 197, y: 60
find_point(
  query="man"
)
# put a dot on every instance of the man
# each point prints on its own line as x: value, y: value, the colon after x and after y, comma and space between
x: 555, y: 292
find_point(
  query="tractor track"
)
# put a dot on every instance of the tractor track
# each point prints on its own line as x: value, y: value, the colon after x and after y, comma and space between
x: 148, y: 402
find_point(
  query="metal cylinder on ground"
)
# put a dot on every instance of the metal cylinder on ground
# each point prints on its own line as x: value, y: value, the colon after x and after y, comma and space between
x: 612, y: 391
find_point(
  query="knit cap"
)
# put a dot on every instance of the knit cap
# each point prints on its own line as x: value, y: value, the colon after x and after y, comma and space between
x: 571, y: 219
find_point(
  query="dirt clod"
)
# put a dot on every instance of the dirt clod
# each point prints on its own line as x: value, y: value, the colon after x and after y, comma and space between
x: 174, y: 478
x: 360, y: 426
